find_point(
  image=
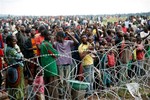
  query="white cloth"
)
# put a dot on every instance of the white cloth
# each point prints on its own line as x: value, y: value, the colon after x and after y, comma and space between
x: 143, y: 34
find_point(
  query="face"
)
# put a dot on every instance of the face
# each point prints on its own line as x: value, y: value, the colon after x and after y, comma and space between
x: 84, y: 39
x: 97, y: 45
x: 90, y: 40
x: 12, y: 43
x: 59, y: 39
x: 48, y: 37
x: 33, y: 32
x: 138, y: 41
x: 60, y: 29
x: 113, y: 41
x: 6, y: 30
x: 89, y: 31
x: 22, y: 29
x: 56, y: 28
x: 104, y: 42
x: 102, y: 49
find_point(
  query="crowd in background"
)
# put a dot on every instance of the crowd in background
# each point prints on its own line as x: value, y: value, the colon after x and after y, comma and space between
x: 47, y: 51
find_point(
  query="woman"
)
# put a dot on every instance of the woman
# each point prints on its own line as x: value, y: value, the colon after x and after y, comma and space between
x: 48, y: 62
x: 14, y: 81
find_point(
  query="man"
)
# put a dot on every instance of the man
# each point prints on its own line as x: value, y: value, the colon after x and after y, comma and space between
x: 21, y: 38
x: 87, y: 63
x: 5, y: 34
x: 31, y: 52
x: 65, y: 58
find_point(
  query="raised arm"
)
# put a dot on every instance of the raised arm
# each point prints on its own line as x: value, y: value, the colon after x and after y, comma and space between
x: 73, y: 38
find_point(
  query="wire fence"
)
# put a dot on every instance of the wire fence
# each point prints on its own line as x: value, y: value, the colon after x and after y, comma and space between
x: 129, y: 80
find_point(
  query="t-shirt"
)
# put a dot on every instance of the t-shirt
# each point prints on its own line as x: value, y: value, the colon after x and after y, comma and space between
x: 87, y: 60
x: 140, y: 52
x: 64, y: 50
x: 124, y: 29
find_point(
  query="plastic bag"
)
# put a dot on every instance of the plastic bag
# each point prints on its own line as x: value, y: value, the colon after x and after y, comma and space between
x: 134, y: 90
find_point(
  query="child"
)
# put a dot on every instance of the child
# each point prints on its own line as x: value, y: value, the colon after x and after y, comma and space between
x: 139, y: 55
x: 111, y: 59
x: 92, y: 43
x: 104, y: 70
x: 38, y: 84
x: 111, y: 63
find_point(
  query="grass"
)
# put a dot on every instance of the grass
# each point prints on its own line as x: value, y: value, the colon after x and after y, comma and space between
x: 113, y: 19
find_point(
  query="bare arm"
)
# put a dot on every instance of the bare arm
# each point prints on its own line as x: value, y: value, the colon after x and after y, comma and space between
x: 83, y: 54
x: 73, y: 38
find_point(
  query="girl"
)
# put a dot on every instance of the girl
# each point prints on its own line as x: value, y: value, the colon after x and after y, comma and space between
x: 38, y: 85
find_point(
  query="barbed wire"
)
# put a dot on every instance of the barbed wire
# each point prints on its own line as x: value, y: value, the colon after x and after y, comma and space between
x: 118, y: 76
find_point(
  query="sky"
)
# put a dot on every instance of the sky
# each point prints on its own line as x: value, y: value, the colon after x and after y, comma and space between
x: 73, y: 7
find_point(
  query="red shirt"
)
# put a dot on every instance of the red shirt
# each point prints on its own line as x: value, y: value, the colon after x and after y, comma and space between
x: 38, y: 40
x: 124, y: 29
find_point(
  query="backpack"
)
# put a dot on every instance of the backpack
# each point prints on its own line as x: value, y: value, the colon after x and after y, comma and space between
x: 13, y: 75
x: 111, y: 59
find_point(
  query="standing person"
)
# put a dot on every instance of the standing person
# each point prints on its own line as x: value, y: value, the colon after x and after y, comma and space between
x: 48, y: 63
x: 31, y: 52
x: 124, y: 29
x: 65, y: 59
x: 125, y: 55
x: 39, y: 38
x: 21, y: 38
x: 139, y: 55
x: 5, y: 34
x: 15, y: 77
x: 1, y: 57
x: 87, y: 63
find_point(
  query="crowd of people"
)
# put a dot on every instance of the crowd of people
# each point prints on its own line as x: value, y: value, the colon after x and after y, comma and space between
x: 39, y: 55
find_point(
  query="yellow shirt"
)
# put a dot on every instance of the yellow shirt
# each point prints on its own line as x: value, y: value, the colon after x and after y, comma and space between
x: 94, y: 31
x: 87, y: 60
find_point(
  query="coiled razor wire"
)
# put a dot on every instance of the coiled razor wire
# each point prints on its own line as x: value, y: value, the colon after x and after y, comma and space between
x: 118, y: 76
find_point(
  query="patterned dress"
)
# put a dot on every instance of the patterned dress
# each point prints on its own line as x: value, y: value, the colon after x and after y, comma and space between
x: 18, y: 92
